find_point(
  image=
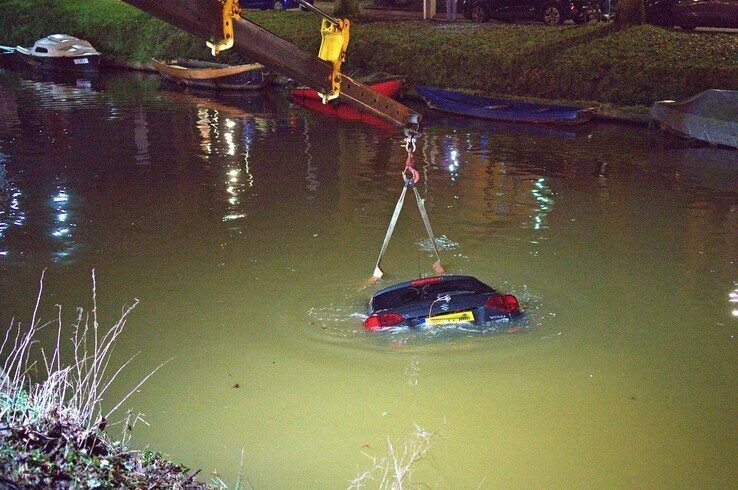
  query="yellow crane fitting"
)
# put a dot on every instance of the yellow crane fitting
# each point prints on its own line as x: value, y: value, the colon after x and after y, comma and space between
x: 230, y: 11
x: 334, y: 42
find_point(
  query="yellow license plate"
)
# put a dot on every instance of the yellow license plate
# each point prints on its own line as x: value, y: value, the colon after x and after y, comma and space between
x: 461, y: 317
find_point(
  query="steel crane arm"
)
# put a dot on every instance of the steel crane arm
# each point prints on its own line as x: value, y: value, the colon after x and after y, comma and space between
x: 204, y: 18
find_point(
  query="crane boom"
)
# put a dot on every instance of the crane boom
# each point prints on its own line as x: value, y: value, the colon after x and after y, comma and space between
x: 204, y: 18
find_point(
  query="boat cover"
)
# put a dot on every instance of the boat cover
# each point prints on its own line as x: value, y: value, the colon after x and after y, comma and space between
x: 710, y: 116
x: 60, y: 45
x: 501, y: 109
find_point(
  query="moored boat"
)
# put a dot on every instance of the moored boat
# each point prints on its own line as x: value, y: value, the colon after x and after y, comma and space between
x: 341, y: 111
x: 203, y: 74
x: 710, y: 116
x: 502, y: 109
x: 60, y: 52
x: 388, y: 88
x: 312, y: 100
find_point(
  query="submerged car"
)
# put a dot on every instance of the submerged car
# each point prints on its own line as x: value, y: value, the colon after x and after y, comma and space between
x: 440, y: 300
x: 550, y: 12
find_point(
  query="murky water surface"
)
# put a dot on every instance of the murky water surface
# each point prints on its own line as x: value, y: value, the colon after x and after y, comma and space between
x: 247, y: 227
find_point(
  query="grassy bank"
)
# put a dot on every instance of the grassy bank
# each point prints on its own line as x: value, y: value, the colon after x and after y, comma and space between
x: 634, y: 66
x: 54, y: 432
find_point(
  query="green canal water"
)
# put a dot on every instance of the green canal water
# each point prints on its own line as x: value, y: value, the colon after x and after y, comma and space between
x: 247, y: 227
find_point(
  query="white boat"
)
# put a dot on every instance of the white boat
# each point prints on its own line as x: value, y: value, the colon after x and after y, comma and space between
x: 61, y: 52
x: 710, y: 116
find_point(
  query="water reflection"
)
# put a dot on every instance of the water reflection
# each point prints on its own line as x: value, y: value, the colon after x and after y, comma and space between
x: 62, y: 91
x: 141, y: 138
x: 504, y: 176
x: 63, y: 226
x: 11, y: 215
x: 733, y: 300
x: 452, y: 159
x: 230, y: 141
x: 542, y: 194
x: 8, y: 111
x: 311, y: 174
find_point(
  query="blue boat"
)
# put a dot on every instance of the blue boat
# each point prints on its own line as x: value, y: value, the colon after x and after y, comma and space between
x: 502, y: 109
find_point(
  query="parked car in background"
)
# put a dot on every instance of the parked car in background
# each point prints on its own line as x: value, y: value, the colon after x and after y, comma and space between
x: 271, y: 4
x: 550, y: 12
x: 689, y: 14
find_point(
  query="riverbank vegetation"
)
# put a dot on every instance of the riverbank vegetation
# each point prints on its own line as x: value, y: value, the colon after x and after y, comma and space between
x: 54, y: 432
x: 394, y: 471
x: 599, y: 62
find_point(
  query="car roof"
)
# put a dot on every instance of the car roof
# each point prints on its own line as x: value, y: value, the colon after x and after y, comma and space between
x: 439, y: 279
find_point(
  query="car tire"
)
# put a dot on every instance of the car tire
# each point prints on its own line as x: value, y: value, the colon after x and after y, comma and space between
x: 478, y: 13
x: 278, y: 5
x: 552, y: 15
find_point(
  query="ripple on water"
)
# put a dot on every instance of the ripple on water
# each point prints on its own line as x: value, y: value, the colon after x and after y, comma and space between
x: 442, y: 242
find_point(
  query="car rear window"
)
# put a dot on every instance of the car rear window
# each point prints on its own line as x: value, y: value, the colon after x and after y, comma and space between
x: 431, y: 291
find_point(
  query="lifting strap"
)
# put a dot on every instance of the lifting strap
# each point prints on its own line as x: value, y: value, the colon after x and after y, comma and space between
x: 393, y: 221
x: 410, y: 181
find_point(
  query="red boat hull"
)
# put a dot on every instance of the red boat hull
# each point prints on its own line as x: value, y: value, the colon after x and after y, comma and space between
x: 342, y: 111
x: 387, y: 88
x: 310, y: 99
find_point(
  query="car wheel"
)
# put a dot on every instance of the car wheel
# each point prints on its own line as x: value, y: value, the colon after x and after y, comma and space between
x: 278, y: 5
x: 552, y: 15
x: 478, y: 13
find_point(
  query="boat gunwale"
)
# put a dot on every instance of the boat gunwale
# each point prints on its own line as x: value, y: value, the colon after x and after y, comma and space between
x: 184, y: 73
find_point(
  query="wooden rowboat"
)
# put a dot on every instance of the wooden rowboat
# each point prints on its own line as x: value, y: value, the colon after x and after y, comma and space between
x: 502, y: 109
x: 194, y: 73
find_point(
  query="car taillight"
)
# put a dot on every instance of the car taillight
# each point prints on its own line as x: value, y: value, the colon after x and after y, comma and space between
x: 383, y: 320
x: 426, y: 280
x: 506, y: 303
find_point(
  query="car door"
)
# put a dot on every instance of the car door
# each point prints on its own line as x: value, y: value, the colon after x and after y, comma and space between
x: 699, y: 13
x: 724, y: 13
x: 523, y: 9
x: 506, y: 9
